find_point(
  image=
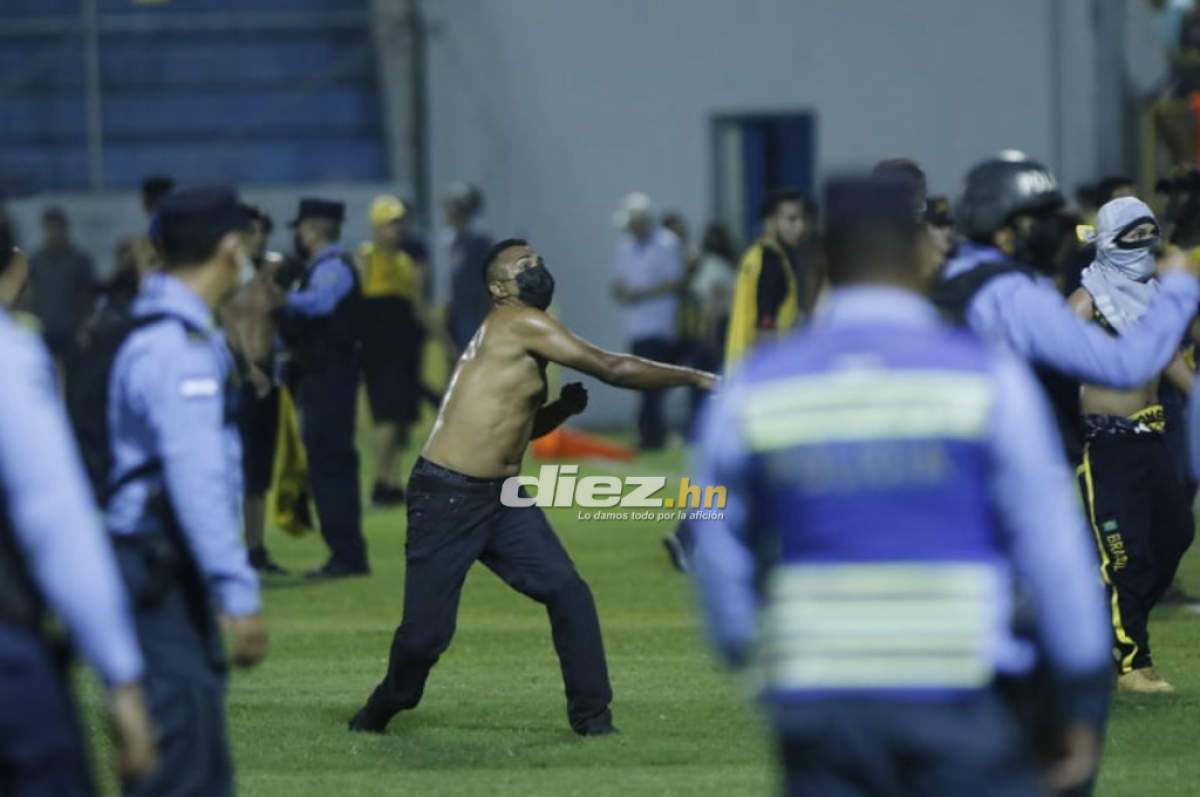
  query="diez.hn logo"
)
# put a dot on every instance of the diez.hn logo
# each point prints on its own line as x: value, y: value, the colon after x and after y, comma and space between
x: 560, y: 487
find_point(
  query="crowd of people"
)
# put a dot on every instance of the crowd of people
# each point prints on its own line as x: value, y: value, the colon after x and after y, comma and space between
x: 183, y: 375
x: 908, y: 384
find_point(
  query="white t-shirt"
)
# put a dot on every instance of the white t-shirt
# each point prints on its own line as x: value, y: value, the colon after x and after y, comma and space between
x: 712, y: 286
x: 641, y: 266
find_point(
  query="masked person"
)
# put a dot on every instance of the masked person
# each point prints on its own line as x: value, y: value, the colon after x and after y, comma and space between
x: 887, y: 478
x: 462, y: 507
x: 1139, y: 512
x: 993, y: 289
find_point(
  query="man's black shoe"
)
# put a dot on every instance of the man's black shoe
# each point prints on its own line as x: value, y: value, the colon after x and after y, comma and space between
x: 678, y: 555
x: 362, y: 722
x: 598, y: 729
x: 384, y: 496
x: 331, y: 570
x: 261, y: 561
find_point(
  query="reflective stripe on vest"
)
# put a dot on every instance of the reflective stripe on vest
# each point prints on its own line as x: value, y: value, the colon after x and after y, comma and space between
x: 868, y: 404
x: 916, y: 625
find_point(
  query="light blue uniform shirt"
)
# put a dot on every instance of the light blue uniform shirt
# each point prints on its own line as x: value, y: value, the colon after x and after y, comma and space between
x: 167, y: 402
x: 331, y: 281
x: 641, y: 265
x: 1030, y: 318
x: 1193, y: 420
x: 52, y: 511
x: 1031, y: 487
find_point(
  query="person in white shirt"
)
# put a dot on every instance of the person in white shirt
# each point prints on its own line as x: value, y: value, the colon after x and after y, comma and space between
x: 712, y: 284
x: 649, y: 276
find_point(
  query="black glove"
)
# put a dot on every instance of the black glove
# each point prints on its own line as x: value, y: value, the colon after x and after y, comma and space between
x: 574, y: 398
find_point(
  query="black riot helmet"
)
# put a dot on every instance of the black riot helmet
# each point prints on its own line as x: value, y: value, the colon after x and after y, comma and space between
x: 1002, y: 187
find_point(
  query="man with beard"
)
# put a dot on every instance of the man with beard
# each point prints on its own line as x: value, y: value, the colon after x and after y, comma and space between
x: 463, y: 505
x: 767, y: 299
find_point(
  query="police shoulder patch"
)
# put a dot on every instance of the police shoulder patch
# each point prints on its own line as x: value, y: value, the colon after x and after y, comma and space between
x: 199, y: 387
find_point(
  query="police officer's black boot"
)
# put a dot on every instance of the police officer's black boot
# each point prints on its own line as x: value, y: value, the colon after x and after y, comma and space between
x: 261, y: 561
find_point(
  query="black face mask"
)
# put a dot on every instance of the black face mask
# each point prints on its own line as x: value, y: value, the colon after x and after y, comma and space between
x: 301, y: 251
x: 537, y: 287
x: 1040, y: 248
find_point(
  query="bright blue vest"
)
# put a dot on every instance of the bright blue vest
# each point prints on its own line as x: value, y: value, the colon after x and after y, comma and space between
x: 870, y: 455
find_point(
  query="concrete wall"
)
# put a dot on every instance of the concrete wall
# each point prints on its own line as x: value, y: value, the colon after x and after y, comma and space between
x: 559, y: 107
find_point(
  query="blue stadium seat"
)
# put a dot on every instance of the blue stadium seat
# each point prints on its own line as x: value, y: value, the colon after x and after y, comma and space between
x: 243, y: 106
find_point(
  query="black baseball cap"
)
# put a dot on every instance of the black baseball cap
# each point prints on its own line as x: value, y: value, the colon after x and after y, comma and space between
x: 855, y: 202
x: 312, y: 208
x: 200, y: 210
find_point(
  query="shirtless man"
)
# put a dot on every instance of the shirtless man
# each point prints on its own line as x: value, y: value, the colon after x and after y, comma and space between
x: 495, y: 404
x: 250, y: 330
x: 1137, y: 505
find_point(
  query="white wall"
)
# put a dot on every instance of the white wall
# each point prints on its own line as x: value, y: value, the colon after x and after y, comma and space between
x: 559, y: 107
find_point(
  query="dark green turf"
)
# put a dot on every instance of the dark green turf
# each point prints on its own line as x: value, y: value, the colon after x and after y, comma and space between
x: 493, y: 720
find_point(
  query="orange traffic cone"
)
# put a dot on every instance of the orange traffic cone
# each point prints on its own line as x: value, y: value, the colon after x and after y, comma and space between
x: 568, y: 444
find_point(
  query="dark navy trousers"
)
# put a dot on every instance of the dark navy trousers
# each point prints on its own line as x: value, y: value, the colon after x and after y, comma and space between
x: 896, y: 748
x: 185, y: 683
x: 329, y: 402
x: 454, y: 521
x: 42, y: 753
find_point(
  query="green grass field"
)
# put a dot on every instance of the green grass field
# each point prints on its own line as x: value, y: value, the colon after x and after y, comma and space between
x: 493, y: 719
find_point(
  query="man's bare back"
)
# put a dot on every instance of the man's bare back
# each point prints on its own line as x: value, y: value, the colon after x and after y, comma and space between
x: 497, y: 398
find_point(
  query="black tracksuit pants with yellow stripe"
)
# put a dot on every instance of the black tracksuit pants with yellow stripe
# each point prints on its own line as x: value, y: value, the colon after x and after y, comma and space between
x: 1142, y: 520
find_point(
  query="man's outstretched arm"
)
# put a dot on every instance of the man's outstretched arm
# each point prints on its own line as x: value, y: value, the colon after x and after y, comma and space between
x: 547, y: 338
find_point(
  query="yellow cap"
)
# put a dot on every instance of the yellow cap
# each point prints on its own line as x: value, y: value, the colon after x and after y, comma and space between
x: 386, y: 209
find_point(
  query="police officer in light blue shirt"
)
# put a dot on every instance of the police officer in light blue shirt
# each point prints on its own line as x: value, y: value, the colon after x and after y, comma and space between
x: 54, y: 555
x: 890, y: 481
x: 320, y: 324
x: 993, y: 287
x: 176, y: 488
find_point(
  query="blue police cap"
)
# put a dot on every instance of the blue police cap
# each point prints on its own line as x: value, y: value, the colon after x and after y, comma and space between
x: 326, y: 209
x: 858, y: 201
x: 208, y: 210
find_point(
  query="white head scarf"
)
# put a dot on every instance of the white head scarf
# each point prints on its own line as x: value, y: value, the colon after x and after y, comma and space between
x: 1121, y: 278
